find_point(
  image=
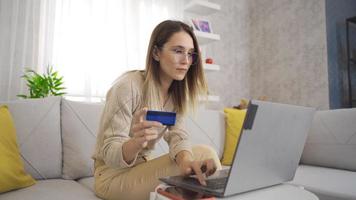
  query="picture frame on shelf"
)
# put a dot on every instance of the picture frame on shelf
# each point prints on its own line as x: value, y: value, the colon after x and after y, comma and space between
x: 195, y: 24
x: 202, y: 25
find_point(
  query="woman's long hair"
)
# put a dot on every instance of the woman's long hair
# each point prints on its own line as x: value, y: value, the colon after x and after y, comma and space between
x: 185, y: 93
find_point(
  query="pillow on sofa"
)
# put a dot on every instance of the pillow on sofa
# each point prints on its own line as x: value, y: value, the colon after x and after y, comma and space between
x: 234, y: 121
x: 80, y: 122
x: 37, y: 123
x: 12, y: 173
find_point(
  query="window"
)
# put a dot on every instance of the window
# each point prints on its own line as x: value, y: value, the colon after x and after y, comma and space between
x: 95, y: 41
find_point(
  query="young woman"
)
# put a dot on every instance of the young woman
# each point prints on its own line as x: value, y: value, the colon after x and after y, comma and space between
x: 172, y: 81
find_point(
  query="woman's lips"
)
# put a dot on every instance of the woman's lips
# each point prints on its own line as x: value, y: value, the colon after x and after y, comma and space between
x: 182, y: 69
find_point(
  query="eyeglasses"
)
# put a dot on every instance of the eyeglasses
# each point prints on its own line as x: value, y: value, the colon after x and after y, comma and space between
x: 180, y: 55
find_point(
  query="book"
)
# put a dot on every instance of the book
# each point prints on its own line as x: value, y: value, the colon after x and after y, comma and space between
x: 177, y: 193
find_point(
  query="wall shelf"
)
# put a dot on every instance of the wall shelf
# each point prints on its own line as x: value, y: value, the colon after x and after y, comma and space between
x: 206, y: 38
x: 202, y: 7
x: 211, y: 98
x: 211, y: 67
x: 199, y: 9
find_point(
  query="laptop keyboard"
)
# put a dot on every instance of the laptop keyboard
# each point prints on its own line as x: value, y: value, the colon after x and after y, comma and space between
x: 216, y: 183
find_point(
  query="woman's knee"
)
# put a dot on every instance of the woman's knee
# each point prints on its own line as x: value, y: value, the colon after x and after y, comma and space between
x: 203, y: 152
x: 203, y: 149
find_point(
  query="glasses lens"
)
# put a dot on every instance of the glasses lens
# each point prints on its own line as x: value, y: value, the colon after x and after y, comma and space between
x: 181, y: 55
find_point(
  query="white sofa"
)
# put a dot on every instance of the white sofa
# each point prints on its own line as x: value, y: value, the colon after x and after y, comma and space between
x: 328, y: 163
x: 57, y: 138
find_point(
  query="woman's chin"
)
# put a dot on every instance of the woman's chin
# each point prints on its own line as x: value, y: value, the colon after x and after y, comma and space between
x: 179, y: 77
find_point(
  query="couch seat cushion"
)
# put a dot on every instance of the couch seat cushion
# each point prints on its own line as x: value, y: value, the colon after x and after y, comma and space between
x: 87, y: 182
x: 54, y: 189
x: 327, y: 183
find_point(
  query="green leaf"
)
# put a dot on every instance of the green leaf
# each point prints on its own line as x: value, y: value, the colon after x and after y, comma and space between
x: 59, y: 94
x: 59, y: 88
x: 54, y: 74
x: 22, y: 96
x: 59, y: 79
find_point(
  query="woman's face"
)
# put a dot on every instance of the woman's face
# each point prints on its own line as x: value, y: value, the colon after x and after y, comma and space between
x: 176, y: 56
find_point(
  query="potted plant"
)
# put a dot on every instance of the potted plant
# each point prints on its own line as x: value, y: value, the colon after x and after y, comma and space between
x: 40, y: 86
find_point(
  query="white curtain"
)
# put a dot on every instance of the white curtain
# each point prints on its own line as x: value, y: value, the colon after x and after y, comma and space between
x: 97, y: 40
x: 90, y: 42
x: 26, y: 30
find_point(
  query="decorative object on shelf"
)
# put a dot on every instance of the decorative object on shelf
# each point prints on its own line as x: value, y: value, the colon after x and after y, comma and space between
x: 40, y: 86
x: 201, y: 25
x: 209, y: 61
x: 195, y: 24
x: 204, y: 26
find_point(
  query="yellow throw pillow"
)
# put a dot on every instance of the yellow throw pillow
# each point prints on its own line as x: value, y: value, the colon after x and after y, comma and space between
x: 234, y: 119
x: 12, y: 173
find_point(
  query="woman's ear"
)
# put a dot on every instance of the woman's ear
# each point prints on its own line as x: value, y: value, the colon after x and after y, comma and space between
x: 155, y: 53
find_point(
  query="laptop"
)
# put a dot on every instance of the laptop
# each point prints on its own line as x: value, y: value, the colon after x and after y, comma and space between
x: 267, y: 153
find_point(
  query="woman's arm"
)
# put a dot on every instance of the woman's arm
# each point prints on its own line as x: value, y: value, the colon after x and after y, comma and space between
x: 142, y: 131
x: 180, y: 148
x: 130, y: 150
x: 123, y: 131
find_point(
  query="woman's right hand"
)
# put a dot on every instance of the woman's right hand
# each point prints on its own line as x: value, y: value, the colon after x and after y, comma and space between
x: 143, y: 131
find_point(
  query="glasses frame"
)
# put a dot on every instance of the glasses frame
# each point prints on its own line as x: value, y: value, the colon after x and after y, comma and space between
x: 180, y: 56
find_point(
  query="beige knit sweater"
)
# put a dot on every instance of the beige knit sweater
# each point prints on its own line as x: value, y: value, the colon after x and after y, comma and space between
x: 122, y: 101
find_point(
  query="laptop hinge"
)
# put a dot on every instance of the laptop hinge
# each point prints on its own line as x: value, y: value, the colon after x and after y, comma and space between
x: 250, y: 116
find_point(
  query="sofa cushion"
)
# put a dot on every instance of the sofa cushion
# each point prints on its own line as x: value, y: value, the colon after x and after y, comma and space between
x: 37, y: 123
x: 54, y: 189
x: 80, y: 122
x: 327, y: 183
x: 205, y: 127
x: 12, y: 172
x: 234, y: 121
x: 332, y: 140
x: 87, y: 182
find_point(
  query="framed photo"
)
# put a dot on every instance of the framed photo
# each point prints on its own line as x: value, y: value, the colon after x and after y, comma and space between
x: 204, y: 26
x: 201, y: 25
x: 195, y: 24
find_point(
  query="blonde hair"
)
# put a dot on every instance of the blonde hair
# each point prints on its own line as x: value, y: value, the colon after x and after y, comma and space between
x: 185, y: 93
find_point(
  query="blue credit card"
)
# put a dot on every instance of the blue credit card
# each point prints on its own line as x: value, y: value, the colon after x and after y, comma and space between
x: 166, y: 118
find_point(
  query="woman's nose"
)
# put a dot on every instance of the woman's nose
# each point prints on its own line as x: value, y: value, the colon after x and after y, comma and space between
x: 186, y: 58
